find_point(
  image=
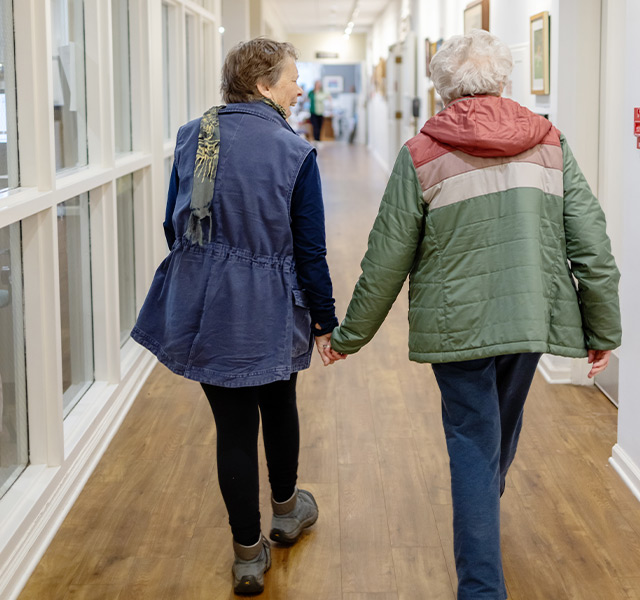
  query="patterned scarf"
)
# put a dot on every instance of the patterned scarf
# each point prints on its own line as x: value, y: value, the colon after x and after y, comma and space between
x: 206, y: 167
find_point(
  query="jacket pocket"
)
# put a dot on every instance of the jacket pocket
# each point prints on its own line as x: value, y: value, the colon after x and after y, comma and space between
x: 302, y: 340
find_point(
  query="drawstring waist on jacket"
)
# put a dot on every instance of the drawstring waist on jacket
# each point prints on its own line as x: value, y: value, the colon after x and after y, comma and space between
x: 225, y: 252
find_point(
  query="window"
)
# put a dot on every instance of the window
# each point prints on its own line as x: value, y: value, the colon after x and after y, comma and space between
x: 191, y: 41
x: 14, y: 449
x: 126, y: 256
x: 122, y: 75
x: 76, y: 320
x: 9, y: 177
x: 166, y: 70
x: 69, y: 90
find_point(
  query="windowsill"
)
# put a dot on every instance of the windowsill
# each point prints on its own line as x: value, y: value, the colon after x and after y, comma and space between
x: 130, y: 162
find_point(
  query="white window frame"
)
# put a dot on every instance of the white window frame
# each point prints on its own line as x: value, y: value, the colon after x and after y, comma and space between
x: 63, y: 452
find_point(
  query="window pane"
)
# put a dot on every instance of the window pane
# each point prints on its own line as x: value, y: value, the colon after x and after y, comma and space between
x: 14, y: 449
x: 9, y: 177
x: 126, y: 256
x: 122, y: 75
x: 74, y: 251
x: 190, y: 31
x: 69, y: 93
x: 166, y: 71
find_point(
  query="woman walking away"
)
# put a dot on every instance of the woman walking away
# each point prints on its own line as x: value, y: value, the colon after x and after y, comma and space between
x: 490, y: 216
x: 245, y: 288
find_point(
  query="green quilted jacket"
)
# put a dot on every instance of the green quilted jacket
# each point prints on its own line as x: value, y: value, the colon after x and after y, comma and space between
x: 504, y: 243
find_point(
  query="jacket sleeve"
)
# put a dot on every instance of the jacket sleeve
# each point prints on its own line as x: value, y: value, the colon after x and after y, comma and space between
x: 591, y: 261
x: 393, y: 243
x: 172, y: 195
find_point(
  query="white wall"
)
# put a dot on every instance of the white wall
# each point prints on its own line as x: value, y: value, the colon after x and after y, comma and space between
x: 510, y: 22
x: 272, y: 25
x: 353, y: 50
x: 235, y: 19
x: 626, y: 453
x: 612, y: 136
x: 385, y: 32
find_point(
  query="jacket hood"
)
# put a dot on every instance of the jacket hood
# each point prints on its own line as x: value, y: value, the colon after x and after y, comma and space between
x: 487, y: 126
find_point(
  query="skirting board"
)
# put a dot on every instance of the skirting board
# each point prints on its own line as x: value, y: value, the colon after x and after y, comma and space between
x: 555, y: 369
x: 380, y: 160
x: 629, y: 472
x: 24, y: 551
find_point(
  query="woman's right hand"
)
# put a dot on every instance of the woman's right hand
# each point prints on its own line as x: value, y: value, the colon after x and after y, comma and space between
x: 328, y: 356
x: 599, y: 359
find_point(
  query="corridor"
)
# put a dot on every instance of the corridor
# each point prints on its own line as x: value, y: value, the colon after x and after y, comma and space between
x: 150, y: 523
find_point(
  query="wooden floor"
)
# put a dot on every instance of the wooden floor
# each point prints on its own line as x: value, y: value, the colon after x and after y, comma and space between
x: 151, y: 523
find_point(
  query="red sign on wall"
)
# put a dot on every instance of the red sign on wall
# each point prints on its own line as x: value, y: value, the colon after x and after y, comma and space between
x: 636, y: 128
x: 636, y: 115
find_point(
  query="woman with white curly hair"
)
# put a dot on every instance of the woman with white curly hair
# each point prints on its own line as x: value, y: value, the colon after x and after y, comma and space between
x: 490, y: 216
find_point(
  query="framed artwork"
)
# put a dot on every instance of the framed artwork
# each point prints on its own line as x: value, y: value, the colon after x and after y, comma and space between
x: 476, y: 16
x: 434, y: 103
x: 427, y: 56
x: 430, y: 50
x: 539, y: 43
x: 379, y: 76
x: 333, y: 84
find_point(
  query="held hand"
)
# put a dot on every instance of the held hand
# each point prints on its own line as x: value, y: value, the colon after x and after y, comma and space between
x: 333, y: 355
x: 329, y: 356
x: 599, y: 359
x: 322, y: 343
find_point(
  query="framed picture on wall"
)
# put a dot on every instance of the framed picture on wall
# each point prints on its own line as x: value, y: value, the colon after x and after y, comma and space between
x: 430, y: 49
x: 476, y: 16
x: 333, y: 84
x: 427, y: 56
x: 539, y: 43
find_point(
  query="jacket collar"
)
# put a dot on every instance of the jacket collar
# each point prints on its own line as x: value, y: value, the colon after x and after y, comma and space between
x: 258, y: 109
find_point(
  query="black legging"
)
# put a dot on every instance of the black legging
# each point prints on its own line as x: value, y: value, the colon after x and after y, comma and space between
x: 237, y: 413
x: 316, y: 124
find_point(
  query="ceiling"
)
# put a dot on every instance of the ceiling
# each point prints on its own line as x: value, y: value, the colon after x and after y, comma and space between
x: 305, y: 16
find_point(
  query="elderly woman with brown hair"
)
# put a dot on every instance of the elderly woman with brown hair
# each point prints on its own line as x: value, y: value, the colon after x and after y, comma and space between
x: 489, y: 215
x: 246, y: 287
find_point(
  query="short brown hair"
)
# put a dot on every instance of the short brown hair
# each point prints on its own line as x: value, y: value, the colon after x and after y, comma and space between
x: 258, y: 60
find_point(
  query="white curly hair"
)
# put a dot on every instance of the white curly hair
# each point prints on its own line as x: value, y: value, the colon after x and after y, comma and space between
x: 474, y: 64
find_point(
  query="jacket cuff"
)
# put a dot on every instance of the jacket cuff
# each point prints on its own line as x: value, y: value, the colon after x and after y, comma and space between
x: 325, y: 326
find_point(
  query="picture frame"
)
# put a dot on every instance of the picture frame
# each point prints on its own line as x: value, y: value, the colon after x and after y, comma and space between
x: 333, y: 84
x: 379, y: 77
x: 539, y: 49
x: 430, y: 49
x: 476, y: 16
x: 427, y: 56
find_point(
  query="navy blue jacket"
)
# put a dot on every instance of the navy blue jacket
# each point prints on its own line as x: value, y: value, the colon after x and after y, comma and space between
x: 232, y: 312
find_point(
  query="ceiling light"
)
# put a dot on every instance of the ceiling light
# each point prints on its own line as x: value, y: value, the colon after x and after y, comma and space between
x: 221, y: 29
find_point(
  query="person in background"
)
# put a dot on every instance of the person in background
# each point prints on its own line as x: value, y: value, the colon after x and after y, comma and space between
x: 317, y: 99
x: 489, y: 214
x: 246, y: 287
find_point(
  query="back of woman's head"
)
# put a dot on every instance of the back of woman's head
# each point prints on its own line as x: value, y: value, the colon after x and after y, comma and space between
x: 471, y: 65
x: 258, y: 60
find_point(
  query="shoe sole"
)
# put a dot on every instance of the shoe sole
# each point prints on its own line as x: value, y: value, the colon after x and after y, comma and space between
x: 288, y: 539
x: 249, y: 585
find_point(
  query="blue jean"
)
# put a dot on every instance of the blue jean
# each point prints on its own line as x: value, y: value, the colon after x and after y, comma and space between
x: 482, y: 406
